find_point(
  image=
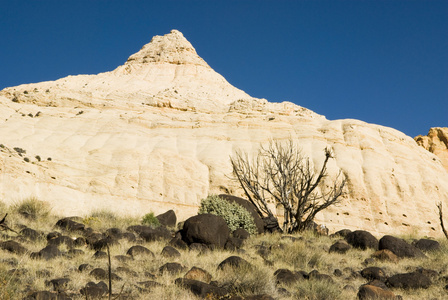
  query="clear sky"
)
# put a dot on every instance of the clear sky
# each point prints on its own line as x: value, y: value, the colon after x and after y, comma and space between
x: 383, y: 62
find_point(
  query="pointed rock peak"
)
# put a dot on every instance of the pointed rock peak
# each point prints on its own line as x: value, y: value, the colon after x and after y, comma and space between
x: 172, y: 48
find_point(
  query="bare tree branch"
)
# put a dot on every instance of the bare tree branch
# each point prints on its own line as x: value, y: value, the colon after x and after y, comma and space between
x: 439, y: 206
x: 281, y: 174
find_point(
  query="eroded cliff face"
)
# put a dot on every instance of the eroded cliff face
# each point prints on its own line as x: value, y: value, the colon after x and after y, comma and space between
x: 436, y: 141
x: 156, y: 134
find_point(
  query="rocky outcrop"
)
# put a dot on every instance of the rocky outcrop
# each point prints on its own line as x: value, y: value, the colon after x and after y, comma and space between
x: 157, y: 133
x: 436, y: 142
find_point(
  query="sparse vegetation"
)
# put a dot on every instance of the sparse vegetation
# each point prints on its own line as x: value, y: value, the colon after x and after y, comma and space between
x: 303, y: 252
x: 235, y: 215
x: 32, y: 208
x: 150, y: 220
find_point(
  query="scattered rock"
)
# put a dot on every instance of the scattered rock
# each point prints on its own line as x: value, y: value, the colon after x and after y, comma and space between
x: 399, y: 247
x: 386, y: 255
x: 70, y: 225
x: 139, y: 250
x: 178, y: 243
x: 234, y: 262
x: 171, y: 268
x: 170, y: 252
x: 426, y: 245
x: 340, y: 247
x: 241, y: 233
x: 168, y: 218
x: 362, y: 239
x: 13, y: 247
x: 58, y: 284
x: 31, y: 234
x: 66, y: 240
x: 208, y: 229
x: 94, y: 290
x: 287, y: 277
x: 199, y: 274
x: 342, y: 233
x: 47, y: 253
x: 372, y: 273
x: 201, y: 289
x: 370, y: 292
x: 414, y: 280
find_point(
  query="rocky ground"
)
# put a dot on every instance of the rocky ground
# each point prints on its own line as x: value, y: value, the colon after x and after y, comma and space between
x: 44, y: 256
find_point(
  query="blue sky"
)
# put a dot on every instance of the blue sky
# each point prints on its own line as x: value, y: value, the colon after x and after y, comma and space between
x: 383, y: 62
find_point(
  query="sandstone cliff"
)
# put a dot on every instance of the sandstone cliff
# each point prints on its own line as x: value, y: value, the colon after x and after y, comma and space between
x: 436, y: 142
x: 157, y: 133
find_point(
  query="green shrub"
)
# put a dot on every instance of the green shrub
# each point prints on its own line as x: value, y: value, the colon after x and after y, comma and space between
x: 234, y: 214
x: 151, y: 220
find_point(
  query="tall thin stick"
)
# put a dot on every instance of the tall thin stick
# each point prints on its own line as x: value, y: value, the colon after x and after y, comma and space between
x: 439, y: 206
x: 109, y: 267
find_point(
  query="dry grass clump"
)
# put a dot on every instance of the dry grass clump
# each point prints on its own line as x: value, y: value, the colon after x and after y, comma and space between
x: 32, y: 208
x: 103, y: 219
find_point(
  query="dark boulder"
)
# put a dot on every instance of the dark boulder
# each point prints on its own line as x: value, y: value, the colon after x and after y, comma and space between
x: 138, y: 250
x: 340, y: 247
x: 155, y: 234
x: 47, y: 253
x: 372, y: 273
x: 46, y: 295
x: 233, y: 244
x: 249, y: 207
x: 414, y: 280
x: 66, y: 240
x: 196, y: 273
x: 234, y: 262
x: 426, y: 245
x: 94, y: 290
x: 177, y: 242
x: 31, y: 234
x: 342, y: 233
x: 287, y: 277
x: 208, y: 229
x: 171, y: 268
x: 103, y: 243
x: 315, y: 275
x: 241, y: 233
x: 101, y: 274
x: 399, y: 247
x: 170, y: 252
x: 201, y: 289
x: 69, y: 225
x: 370, y: 292
x: 168, y: 218
x: 58, y: 284
x: 362, y: 239
x: 13, y: 247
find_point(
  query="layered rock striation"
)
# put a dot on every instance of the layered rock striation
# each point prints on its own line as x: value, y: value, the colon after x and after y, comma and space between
x: 156, y: 134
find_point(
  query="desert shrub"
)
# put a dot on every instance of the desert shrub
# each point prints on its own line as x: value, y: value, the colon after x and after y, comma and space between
x: 151, y: 220
x: 234, y: 214
x: 32, y: 208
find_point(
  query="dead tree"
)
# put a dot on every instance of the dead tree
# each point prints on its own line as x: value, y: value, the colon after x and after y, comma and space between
x: 439, y: 206
x: 281, y: 174
x: 4, y: 226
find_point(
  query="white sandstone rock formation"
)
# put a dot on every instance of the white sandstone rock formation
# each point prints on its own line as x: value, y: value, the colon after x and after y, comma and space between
x: 156, y: 134
x: 436, y: 142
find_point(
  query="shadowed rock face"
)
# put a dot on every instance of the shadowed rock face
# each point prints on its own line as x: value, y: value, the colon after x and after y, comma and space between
x: 156, y: 133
